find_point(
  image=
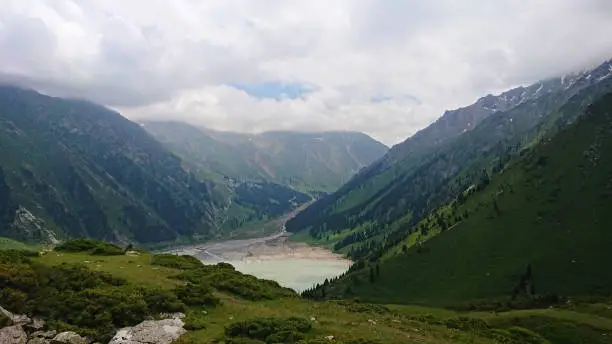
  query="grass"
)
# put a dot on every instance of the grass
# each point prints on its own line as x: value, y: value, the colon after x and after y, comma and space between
x: 348, y: 321
x: 136, y: 269
x: 331, y: 318
x: 10, y: 244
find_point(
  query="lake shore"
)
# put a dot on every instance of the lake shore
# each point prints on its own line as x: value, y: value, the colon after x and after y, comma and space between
x: 272, y: 247
x: 292, y: 264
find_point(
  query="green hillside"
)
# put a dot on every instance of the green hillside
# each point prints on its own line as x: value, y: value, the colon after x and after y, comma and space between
x: 540, y: 229
x: 72, y: 168
x: 310, y: 162
x: 225, y: 306
x: 433, y: 167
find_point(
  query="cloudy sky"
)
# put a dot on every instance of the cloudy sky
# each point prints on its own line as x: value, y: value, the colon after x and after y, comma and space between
x: 386, y: 67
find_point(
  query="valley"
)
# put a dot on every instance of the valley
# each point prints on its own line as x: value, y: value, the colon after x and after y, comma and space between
x: 292, y: 264
x: 488, y: 226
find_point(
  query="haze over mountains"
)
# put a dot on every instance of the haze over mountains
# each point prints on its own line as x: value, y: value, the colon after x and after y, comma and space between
x: 309, y: 162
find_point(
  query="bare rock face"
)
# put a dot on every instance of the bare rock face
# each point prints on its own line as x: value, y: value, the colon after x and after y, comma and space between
x: 13, y: 335
x: 69, y: 338
x: 151, y: 332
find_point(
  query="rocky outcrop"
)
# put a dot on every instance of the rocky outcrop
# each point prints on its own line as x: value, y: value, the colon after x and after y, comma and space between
x: 20, y: 329
x: 69, y: 338
x: 152, y: 332
x: 13, y: 334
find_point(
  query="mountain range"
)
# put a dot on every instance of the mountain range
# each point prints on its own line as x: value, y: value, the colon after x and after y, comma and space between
x: 383, y: 201
x: 314, y: 163
x: 538, y: 228
x: 71, y: 168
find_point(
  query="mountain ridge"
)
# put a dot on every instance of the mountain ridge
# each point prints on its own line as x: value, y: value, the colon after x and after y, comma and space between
x: 401, y: 188
x: 313, y: 162
x: 72, y: 168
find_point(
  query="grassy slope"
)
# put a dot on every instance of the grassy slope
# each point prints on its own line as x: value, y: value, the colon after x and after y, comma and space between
x: 347, y: 321
x: 331, y: 318
x: 553, y: 214
x: 10, y: 244
x: 418, y: 185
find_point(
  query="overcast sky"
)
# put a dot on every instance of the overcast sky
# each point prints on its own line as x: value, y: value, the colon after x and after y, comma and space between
x: 386, y: 67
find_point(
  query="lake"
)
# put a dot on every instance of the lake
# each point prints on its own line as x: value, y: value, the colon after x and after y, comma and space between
x: 292, y: 264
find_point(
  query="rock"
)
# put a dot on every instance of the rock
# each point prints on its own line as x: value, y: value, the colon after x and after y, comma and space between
x: 37, y: 324
x: 21, y: 319
x: 176, y: 315
x: 313, y: 319
x: 330, y: 338
x: 44, y: 334
x: 373, y: 322
x: 39, y: 340
x: 13, y: 335
x: 6, y: 317
x: 151, y: 332
x: 69, y: 338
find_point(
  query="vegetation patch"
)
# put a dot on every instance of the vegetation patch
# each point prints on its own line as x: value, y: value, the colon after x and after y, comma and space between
x: 94, y: 247
x: 73, y: 297
x: 269, y: 330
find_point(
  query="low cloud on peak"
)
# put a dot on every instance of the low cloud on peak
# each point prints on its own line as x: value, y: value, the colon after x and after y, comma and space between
x: 386, y: 68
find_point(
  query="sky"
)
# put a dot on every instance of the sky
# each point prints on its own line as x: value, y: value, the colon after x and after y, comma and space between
x: 387, y: 68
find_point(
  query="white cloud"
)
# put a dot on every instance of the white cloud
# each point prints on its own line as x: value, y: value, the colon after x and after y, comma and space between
x: 386, y: 68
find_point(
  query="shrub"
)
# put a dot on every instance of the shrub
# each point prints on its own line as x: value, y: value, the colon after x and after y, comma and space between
x: 223, y: 277
x: 466, y: 324
x: 89, y: 245
x: 196, y: 295
x: 271, y: 330
x: 71, y: 297
x: 177, y: 262
x: 195, y: 320
x: 160, y: 301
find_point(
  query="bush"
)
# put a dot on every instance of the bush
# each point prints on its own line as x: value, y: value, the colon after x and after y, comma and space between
x: 91, y: 246
x: 223, y: 277
x: 196, y: 295
x: 160, y: 301
x: 71, y: 297
x: 176, y: 262
x: 16, y: 256
x: 467, y: 324
x: 195, y: 320
x: 270, y: 330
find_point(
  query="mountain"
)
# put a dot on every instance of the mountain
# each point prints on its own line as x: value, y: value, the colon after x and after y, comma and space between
x: 309, y: 162
x: 71, y: 168
x: 538, y: 229
x: 376, y: 207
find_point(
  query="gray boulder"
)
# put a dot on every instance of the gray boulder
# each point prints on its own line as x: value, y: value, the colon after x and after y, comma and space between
x: 6, y: 317
x: 37, y: 324
x: 69, y: 338
x: 39, y: 340
x: 44, y: 334
x: 151, y: 332
x: 13, y: 335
